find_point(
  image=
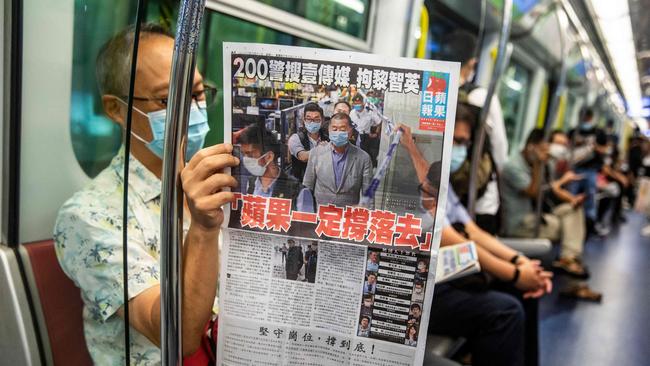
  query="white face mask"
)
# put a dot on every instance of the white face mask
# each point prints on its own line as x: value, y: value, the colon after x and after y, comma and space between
x: 253, y: 165
x: 559, y: 152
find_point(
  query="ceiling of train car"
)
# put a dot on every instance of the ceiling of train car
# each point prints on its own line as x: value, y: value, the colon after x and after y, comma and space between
x: 580, y: 7
x: 640, y: 16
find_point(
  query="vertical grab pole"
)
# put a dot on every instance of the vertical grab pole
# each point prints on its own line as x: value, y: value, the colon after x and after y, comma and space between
x: 479, y: 141
x: 553, y: 111
x: 171, y: 218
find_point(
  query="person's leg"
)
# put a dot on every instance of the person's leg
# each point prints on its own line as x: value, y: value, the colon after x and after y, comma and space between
x: 590, y: 186
x: 493, y: 322
x: 550, y: 227
x: 572, y: 221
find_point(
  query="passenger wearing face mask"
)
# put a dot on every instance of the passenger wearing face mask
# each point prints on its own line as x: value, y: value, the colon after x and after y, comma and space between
x: 88, y: 231
x: 337, y: 173
x: 590, y: 149
x: 368, y: 124
x: 488, y: 201
x: 260, y: 152
x: 493, y: 321
x: 564, y: 220
x: 307, y: 138
x: 461, y: 46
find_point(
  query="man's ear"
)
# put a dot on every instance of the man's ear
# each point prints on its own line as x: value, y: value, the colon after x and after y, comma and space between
x: 114, y: 108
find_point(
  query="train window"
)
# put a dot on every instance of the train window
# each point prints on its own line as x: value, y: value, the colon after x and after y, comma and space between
x: 513, y: 94
x: 350, y: 17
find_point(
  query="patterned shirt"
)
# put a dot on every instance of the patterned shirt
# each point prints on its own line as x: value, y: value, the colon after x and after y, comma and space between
x: 88, y: 239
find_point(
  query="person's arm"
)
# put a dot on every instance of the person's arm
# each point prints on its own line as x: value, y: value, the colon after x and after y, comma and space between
x: 489, y: 242
x: 419, y: 162
x: 557, y: 187
x: 309, y: 179
x: 203, y: 183
x: 529, y: 279
x: 296, y: 149
x: 535, y: 180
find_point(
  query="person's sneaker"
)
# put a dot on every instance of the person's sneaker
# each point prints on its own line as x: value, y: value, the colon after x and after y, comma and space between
x: 600, y: 229
x: 645, y: 231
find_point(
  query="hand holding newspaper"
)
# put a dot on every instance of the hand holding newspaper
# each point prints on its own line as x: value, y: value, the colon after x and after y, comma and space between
x: 326, y: 257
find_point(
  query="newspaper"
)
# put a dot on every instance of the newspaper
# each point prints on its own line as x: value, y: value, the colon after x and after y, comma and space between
x: 457, y: 261
x: 330, y: 248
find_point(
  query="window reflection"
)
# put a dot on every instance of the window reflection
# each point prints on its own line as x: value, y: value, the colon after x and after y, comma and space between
x: 347, y: 16
x: 513, y: 94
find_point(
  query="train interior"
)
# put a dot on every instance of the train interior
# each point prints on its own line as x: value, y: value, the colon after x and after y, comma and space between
x: 561, y: 57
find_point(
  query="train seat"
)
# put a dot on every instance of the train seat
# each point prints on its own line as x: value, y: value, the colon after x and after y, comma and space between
x: 58, y: 306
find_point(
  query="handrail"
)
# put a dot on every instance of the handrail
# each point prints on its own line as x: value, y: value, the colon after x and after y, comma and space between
x: 171, y: 218
x: 499, y: 67
x: 553, y: 111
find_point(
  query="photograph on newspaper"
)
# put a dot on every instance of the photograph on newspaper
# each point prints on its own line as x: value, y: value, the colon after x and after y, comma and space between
x: 329, y: 253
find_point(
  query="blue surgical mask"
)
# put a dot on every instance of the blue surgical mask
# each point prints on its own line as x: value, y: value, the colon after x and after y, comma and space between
x: 586, y: 126
x: 357, y: 107
x: 197, y: 129
x: 312, y: 127
x: 339, y: 138
x: 458, y: 156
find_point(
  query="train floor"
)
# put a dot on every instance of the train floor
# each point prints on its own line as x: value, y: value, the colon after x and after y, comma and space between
x: 616, y: 331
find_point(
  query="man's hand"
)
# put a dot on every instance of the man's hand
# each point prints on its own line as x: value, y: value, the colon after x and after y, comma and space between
x: 578, y: 200
x: 205, y: 183
x: 541, y: 152
x: 407, y: 136
x: 529, y: 277
x: 569, y: 177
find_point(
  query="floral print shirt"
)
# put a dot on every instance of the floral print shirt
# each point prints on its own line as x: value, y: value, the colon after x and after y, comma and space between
x: 88, y: 240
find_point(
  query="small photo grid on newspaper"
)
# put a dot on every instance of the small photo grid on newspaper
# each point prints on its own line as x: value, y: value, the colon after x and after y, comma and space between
x: 393, y: 295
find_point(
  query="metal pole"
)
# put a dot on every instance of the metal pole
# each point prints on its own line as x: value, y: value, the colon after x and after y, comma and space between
x: 499, y: 67
x: 171, y: 218
x: 553, y: 111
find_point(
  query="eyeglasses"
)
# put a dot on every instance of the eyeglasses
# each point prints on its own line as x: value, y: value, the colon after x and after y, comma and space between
x: 207, y: 94
x: 313, y: 121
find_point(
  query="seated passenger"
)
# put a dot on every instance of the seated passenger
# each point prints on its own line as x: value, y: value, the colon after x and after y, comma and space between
x: 565, y: 221
x: 488, y: 201
x: 590, y: 148
x: 260, y: 151
x: 88, y: 231
x: 492, y: 321
x: 351, y: 167
x: 306, y: 139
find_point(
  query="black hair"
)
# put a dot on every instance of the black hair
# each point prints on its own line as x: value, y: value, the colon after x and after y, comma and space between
x: 357, y: 97
x: 262, y: 138
x: 555, y: 133
x: 313, y: 107
x: 468, y: 114
x: 535, y: 137
x: 371, y: 274
x: 367, y: 296
x: 342, y: 115
x: 433, y: 174
x: 112, y: 66
x: 416, y: 306
x: 458, y: 46
x: 588, y: 113
x: 343, y: 102
x: 365, y: 317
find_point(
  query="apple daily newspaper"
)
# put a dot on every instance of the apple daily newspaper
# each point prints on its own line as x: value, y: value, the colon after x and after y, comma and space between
x: 330, y: 249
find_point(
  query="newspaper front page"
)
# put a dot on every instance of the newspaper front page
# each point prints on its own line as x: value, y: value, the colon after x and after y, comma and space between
x: 329, y: 253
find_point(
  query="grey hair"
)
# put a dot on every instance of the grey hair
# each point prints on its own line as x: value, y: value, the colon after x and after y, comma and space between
x: 113, y: 66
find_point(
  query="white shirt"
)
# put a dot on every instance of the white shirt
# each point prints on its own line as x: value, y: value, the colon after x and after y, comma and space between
x: 364, y: 120
x: 495, y: 126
